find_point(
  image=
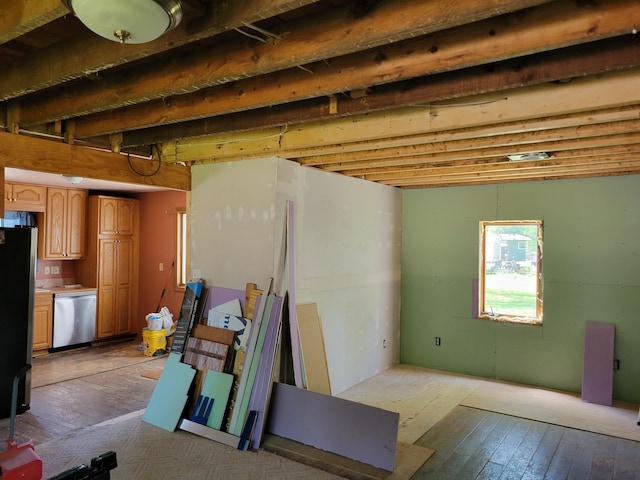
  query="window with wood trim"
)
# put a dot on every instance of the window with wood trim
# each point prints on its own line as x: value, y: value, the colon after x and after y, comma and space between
x: 181, y: 249
x: 510, y: 279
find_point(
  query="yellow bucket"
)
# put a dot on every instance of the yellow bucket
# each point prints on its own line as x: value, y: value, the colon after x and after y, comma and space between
x: 154, y: 341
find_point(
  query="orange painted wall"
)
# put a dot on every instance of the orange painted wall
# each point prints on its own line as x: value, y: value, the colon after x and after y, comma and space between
x: 158, y: 245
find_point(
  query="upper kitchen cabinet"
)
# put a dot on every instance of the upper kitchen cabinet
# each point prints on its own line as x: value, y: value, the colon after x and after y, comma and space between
x: 62, y: 226
x: 24, y: 197
x: 117, y: 216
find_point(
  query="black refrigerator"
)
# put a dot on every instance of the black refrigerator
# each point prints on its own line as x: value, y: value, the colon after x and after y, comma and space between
x: 17, y: 289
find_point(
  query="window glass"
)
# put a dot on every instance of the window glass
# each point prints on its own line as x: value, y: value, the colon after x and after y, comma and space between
x: 511, y: 271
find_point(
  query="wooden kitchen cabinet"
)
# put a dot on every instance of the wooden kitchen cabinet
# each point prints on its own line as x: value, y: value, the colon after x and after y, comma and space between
x: 42, y: 321
x: 117, y: 216
x: 111, y: 262
x: 63, y: 224
x: 24, y: 197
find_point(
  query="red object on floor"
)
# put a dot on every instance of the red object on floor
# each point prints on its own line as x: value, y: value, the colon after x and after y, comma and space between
x: 20, y: 463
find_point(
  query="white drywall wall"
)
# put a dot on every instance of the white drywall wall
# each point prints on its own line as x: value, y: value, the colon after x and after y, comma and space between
x: 232, y: 222
x: 347, y: 235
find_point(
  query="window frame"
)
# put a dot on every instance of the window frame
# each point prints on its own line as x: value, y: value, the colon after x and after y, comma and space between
x: 505, y: 317
x: 182, y: 252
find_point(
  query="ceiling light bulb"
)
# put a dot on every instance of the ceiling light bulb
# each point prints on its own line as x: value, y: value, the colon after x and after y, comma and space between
x: 128, y: 21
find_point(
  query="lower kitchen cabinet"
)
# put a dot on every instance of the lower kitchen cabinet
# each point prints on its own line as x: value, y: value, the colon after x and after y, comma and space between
x: 115, y: 277
x: 42, y: 321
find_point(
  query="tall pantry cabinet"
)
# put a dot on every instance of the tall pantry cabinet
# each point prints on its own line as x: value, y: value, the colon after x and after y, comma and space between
x: 111, y: 262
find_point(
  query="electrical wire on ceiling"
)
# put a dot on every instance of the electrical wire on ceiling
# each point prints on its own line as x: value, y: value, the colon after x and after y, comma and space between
x: 155, y: 172
x: 267, y: 35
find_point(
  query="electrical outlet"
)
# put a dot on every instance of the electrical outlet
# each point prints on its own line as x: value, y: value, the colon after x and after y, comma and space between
x: 55, y: 270
x: 161, y: 267
x: 438, y: 341
x: 47, y: 270
x: 616, y: 364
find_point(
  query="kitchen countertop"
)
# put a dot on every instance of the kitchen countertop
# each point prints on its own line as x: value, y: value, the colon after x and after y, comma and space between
x: 66, y: 289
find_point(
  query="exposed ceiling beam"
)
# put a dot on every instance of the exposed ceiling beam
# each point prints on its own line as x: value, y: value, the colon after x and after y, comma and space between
x: 514, y: 172
x: 565, y: 64
x: 28, y: 153
x: 553, y: 140
x: 18, y: 18
x: 598, y: 92
x: 334, y: 33
x: 88, y: 53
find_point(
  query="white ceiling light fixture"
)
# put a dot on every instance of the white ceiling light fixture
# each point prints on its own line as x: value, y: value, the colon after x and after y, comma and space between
x: 72, y: 179
x: 127, y: 21
x: 524, y: 157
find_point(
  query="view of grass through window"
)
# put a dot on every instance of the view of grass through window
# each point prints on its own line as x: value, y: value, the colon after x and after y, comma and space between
x: 510, y: 271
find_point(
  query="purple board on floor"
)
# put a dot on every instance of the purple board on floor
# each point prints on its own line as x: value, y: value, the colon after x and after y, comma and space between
x: 261, y: 392
x: 597, y: 373
x: 360, y: 432
x: 291, y: 290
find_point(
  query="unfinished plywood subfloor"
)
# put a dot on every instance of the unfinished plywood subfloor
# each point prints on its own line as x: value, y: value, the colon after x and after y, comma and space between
x: 70, y: 364
x: 423, y: 397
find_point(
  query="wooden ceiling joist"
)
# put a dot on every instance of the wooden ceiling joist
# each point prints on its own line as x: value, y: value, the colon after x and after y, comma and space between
x: 19, y: 18
x: 309, y: 41
x: 600, y: 57
x: 606, y: 91
x: 403, y: 92
x: 457, y: 49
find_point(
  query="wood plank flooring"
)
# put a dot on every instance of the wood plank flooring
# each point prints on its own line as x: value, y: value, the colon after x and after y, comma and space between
x: 473, y: 444
x: 80, y: 388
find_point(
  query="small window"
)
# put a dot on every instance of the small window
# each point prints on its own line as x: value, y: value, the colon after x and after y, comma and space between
x: 511, y: 271
x: 181, y: 253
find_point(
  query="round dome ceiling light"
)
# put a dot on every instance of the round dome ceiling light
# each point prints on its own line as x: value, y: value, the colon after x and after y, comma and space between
x: 127, y: 21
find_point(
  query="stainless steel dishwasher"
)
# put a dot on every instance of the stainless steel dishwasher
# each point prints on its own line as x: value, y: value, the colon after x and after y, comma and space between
x: 74, y: 318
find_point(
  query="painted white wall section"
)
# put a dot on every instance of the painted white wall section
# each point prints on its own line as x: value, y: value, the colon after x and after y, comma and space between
x: 348, y: 239
x: 347, y: 251
x: 232, y: 222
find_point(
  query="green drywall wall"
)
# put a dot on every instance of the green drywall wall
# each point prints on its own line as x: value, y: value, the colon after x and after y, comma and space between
x: 591, y: 273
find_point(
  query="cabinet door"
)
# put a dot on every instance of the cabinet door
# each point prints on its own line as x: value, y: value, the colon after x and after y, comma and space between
x: 22, y: 196
x: 105, y: 326
x: 126, y: 216
x: 114, y: 287
x: 54, y: 236
x: 124, y: 313
x: 63, y: 235
x: 116, y: 216
x: 42, y: 322
x: 75, y: 223
x: 108, y: 219
x: 30, y: 198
